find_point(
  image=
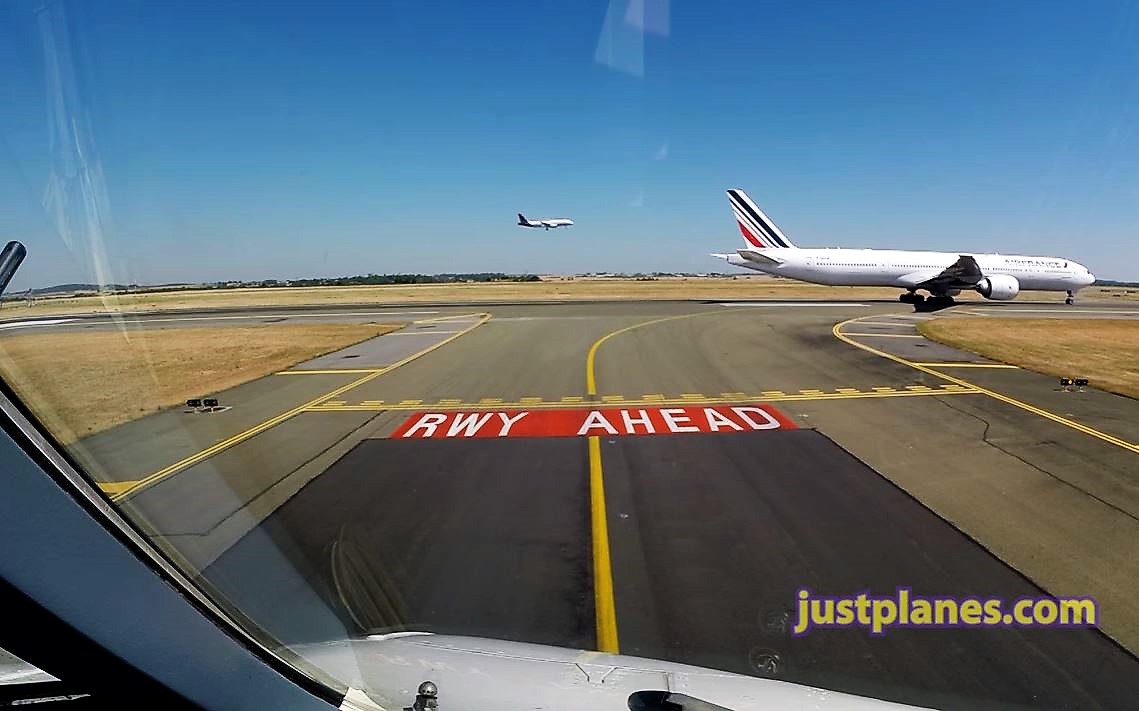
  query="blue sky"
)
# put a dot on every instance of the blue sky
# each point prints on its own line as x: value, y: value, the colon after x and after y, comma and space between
x: 191, y: 141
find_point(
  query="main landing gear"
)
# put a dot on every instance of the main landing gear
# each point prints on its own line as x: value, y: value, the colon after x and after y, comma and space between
x: 921, y: 303
x: 1071, y: 298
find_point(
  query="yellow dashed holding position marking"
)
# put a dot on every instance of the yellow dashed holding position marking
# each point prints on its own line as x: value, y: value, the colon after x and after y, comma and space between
x: 655, y: 399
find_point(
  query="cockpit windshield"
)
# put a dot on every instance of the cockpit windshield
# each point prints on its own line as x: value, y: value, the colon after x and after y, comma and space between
x: 747, y: 341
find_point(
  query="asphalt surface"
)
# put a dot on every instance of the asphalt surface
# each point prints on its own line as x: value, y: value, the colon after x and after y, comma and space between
x: 948, y: 479
x: 706, y: 567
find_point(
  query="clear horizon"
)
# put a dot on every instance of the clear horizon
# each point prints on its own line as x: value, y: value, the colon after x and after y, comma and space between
x: 156, y: 143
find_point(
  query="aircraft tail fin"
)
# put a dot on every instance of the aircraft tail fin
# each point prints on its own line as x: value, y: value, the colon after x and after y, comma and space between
x: 522, y: 219
x: 758, y: 231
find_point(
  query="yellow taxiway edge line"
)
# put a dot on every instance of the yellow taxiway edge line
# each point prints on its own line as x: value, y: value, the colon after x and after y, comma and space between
x: 969, y: 365
x: 330, y: 371
x: 453, y: 317
x: 225, y: 444
x: 112, y: 488
x: 1110, y: 439
x: 884, y: 335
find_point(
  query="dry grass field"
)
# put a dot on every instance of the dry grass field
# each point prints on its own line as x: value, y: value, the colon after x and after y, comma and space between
x: 550, y: 289
x: 81, y: 382
x: 1106, y: 351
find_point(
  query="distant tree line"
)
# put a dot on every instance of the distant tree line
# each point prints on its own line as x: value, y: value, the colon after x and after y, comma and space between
x: 375, y: 280
x: 381, y: 280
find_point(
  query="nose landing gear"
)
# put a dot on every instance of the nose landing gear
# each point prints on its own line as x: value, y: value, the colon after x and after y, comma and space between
x: 1071, y: 298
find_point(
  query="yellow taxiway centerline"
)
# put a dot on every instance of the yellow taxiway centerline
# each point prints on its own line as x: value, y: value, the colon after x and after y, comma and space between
x: 604, y: 602
x: 605, y: 606
x: 591, y: 357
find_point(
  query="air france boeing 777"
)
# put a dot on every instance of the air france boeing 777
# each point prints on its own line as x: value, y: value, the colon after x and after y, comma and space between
x: 943, y: 274
x: 547, y: 223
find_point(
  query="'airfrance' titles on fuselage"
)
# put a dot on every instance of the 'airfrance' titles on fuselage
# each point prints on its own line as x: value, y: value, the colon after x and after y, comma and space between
x: 884, y: 267
x: 996, y: 276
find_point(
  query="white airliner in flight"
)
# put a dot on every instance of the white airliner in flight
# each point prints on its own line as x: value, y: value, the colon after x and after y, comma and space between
x: 942, y: 274
x: 548, y: 224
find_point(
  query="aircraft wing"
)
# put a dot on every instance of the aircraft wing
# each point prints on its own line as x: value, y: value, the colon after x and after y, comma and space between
x: 962, y: 274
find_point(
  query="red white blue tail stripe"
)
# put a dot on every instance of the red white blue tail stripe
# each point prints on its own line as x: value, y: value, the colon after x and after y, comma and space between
x: 757, y: 229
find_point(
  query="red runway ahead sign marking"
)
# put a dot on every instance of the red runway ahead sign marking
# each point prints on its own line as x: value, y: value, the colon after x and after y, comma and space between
x: 605, y: 422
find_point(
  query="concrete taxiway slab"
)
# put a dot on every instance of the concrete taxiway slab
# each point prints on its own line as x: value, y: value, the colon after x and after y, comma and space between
x: 133, y: 451
x: 385, y: 350
x: 127, y: 461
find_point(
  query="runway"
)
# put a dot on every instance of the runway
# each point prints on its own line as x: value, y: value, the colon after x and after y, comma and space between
x: 892, y: 462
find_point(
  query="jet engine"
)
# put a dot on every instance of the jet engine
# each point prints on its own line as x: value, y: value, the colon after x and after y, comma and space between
x: 999, y: 287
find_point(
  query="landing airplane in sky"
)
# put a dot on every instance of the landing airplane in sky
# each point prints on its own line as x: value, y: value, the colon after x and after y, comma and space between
x: 943, y: 274
x: 548, y: 223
